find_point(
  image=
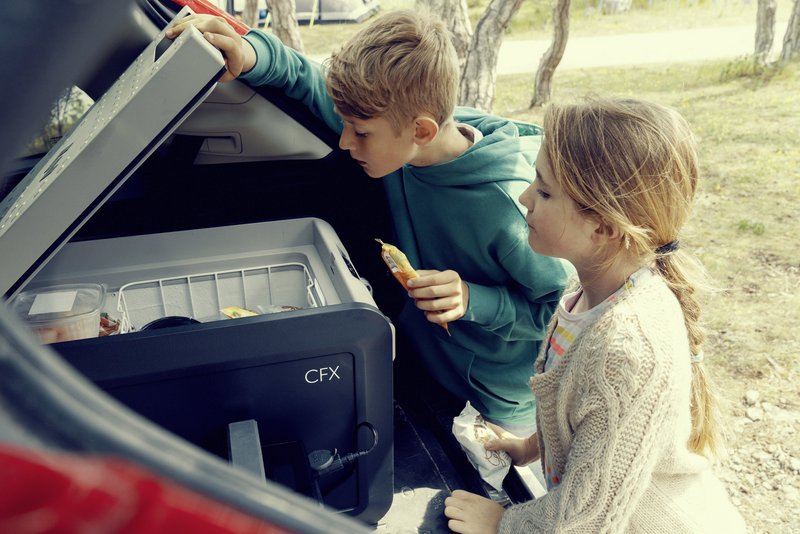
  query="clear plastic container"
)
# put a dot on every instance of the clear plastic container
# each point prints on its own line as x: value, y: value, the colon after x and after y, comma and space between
x: 62, y: 313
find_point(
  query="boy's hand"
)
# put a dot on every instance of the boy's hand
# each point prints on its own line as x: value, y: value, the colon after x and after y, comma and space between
x: 472, y: 514
x: 442, y: 295
x: 239, y: 55
x: 522, y: 450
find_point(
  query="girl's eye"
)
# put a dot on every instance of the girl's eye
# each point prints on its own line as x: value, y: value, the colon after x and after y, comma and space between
x: 543, y: 194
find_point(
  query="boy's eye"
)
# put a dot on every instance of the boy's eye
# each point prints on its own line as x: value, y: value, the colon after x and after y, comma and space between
x: 360, y: 134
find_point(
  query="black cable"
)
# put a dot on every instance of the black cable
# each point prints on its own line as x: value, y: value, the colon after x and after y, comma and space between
x: 325, y: 462
x: 333, y: 483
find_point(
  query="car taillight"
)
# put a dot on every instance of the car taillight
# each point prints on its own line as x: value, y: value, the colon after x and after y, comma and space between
x: 208, y: 8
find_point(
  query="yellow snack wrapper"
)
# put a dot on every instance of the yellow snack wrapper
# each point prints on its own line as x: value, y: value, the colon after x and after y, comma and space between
x: 235, y: 311
x: 400, y: 268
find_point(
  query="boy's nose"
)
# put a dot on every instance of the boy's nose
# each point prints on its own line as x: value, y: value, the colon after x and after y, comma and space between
x: 345, y: 140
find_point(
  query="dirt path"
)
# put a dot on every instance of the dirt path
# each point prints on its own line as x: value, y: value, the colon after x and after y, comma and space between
x: 637, y: 48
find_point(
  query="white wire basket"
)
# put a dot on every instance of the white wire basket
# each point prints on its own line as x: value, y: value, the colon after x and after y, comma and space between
x: 266, y: 289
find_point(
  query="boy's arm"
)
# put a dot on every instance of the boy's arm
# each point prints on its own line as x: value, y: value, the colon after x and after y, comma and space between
x: 300, y: 78
x: 262, y: 59
x: 522, y: 308
x: 519, y: 310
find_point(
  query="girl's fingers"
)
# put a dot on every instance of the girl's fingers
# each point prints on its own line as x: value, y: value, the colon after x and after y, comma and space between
x: 454, y: 512
x: 492, y: 445
x: 500, y: 431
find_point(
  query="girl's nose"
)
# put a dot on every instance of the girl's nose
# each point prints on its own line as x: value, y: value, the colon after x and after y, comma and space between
x: 526, y: 198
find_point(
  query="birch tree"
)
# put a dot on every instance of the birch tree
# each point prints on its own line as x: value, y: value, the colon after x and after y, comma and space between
x: 250, y: 13
x: 477, y: 50
x: 455, y: 14
x: 480, y: 69
x: 765, y: 29
x: 791, y: 41
x: 284, y: 23
x: 552, y: 57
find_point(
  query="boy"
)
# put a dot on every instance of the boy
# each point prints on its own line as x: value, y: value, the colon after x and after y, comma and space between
x: 452, y: 184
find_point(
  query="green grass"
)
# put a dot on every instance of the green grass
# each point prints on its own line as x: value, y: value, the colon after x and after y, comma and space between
x: 534, y: 18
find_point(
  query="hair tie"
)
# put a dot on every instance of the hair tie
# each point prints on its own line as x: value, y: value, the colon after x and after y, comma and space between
x: 667, y: 248
x: 697, y: 358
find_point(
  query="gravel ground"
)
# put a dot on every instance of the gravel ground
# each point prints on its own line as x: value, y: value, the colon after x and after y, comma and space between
x: 762, y: 471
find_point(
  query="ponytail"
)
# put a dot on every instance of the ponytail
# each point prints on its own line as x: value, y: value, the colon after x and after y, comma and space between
x: 683, y: 275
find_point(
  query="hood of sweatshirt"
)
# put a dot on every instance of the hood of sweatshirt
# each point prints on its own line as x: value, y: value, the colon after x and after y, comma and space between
x: 508, y: 149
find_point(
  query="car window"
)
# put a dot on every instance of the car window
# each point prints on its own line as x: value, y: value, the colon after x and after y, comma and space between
x: 65, y: 113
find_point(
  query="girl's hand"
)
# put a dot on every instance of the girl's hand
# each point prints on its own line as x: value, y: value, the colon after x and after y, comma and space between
x: 472, y: 514
x: 442, y: 295
x: 239, y: 55
x: 522, y: 450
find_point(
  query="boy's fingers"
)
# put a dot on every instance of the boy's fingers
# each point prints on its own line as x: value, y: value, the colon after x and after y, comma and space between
x: 441, y: 317
x: 202, y: 23
x: 434, y: 304
x: 425, y: 278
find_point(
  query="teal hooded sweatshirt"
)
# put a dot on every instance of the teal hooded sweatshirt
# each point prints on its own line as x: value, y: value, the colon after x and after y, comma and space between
x: 461, y: 215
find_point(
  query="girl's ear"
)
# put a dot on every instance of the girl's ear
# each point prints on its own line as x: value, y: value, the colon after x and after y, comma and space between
x: 425, y: 130
x: 607, y: 232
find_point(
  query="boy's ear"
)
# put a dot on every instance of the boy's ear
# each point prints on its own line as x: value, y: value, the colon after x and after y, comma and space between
x: 425, y: 130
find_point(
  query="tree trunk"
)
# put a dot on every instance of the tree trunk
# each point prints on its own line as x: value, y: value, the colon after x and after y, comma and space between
x: 455, y: 15
x: 552, y: 57
x: 480, y: 70
x: 250, y: 13
x: 765, y: 29
x: 791, y: 41
x: 284, y: 23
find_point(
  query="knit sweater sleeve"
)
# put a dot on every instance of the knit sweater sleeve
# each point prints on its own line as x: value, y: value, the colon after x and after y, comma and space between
x: 620, y: 396
x: 300, y: 78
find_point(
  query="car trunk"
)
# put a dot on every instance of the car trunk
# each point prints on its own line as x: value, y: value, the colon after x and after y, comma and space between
x: 173, y: 218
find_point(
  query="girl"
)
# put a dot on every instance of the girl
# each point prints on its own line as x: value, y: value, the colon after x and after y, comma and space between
x: 625, y: 414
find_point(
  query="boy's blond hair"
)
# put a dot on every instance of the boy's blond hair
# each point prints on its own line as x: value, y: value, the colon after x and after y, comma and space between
x: 403, y: 65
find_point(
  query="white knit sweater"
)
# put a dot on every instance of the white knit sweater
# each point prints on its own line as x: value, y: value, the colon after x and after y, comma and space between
x: 614, y: 413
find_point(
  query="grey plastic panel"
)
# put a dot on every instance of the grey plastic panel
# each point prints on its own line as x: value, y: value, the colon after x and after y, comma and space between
x: 162, y: 86
x: 245, y: 447
x: 236, y: 124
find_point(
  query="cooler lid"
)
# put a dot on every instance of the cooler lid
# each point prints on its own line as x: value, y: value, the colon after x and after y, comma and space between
x: 160, y: 88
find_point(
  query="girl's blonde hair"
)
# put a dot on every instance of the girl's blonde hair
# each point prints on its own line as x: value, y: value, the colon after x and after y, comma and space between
x: 402, y: 65
x: 633, y: 164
